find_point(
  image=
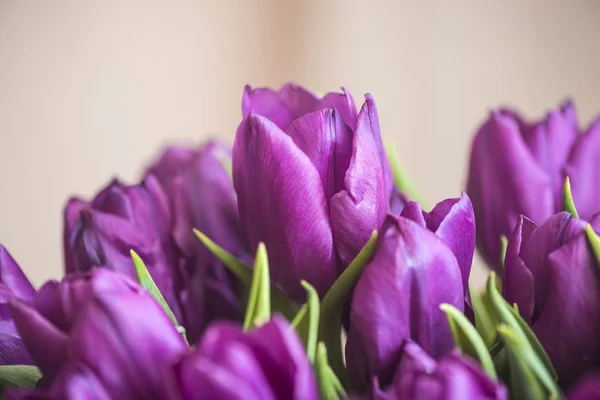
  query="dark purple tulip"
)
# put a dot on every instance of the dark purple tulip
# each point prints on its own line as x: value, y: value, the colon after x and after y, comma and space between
x: 266, y: 363
x: 100, y: 336
x: 554, y: 278
x: 519, y: 168
x: 312, y: 179
x: 13, y: 285
x: 198, y: 185
x: 453, y: 377
x: 587, y: 388
x: 398, y: 297
x: 120, y: 218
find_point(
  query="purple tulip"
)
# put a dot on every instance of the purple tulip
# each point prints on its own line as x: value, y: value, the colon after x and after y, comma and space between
x: 13, y: 285
x: 453, y: 377
x: 201, y: 194
x: 519, y: 168
x: 312, y: 179
x: 266, y: 363
x: 587, y: 388
x: 398, y: 296
x: 100, y: 336
x: 554, y: 278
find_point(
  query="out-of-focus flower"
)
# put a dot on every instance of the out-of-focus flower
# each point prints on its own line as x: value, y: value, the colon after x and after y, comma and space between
x: 554, y: 278
x: 266, y: 363
x: 453, y: 377
x: 398, y: 297
x: 587, y: 388
x: 312, y: 179
x: 13, y: 284
x: 198, y: 185
x: 519, y: 168
x: 99, y: 336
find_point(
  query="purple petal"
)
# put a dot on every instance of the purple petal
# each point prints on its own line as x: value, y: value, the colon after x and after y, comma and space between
x: 582, y: 169
x: 505, y: 181
x: 72, y: 216
x: 344, y: 104
x: 518, y: 285
x: 79, y: 382
x: 281, y: 203
x: 363, y: 205
x: 13, y: 350
x: 587, y: 388
x: 13, y: 277
x: 398, y: 201
x: 414, y: 212
x: 172, y: 161
x: 268, y: 103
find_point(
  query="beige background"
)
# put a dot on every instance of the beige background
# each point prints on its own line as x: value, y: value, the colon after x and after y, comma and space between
x: 89, y: 89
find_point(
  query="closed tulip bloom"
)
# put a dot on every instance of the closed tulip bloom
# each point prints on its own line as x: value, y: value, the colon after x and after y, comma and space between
x: 554, y: 278
x: 312, y: 180
x: 120, y: 218
x: 398, y: 297
x: 519, y: 168
x: 99, y: 336
x: 199, y: 188
x: 587, y: 388
x: 13, y: 285
x: 266, y: 363
x: 453, y: 377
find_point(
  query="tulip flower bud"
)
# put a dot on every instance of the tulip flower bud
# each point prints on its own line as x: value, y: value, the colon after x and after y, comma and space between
x: 518, y: 168
x: 313, y: 182
x: 13, y: 285
x: 398, y: 297
x: 99, y: 333
x: 266, y: 363
x: 552, y: 275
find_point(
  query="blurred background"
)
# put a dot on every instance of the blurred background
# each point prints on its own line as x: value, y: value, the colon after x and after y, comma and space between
x: 90, y: 90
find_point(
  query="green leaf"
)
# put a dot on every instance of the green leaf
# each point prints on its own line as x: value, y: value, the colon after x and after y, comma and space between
x: 528, y: 374
x: 485, y: 318
x: 330, y: 322
x: 467, y: 339
x: 259, y: 303
x: 279, y: 301
x: 401, y: 180
x: 146, y: 281
x: 20, y: 376
x: 307, y: 321
x: 509, y: 316
x: 329, y: 386
x: 594, y: 241
x: 567, y: 199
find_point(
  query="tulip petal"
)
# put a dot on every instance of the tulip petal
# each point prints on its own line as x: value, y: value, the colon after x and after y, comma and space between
x: 565, y: 326
x: 13, y: 350
x: 13, y: 277
x: 414, y: 212
x: 518, y: 283
x: 505, y: 181
x: 363, y: 205
x: 268, y: 103
x: 587, y: 388
x: 72, y: 216
x: 582, y: 169
x: 78, y: 382
x: 281, y: 203
x: 344, y: 104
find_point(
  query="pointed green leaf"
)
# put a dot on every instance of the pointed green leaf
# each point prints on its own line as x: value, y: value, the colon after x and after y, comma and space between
x: 146, y: 281
x: 401, y: 180
x: 594, y: 241
x: 467, y: 339
x: 19, y: 376
x: 279, y: 301
x: 485, y: 318
x: 307, y: 321
x: 300, y: 316
x: 259, y: 302
x: 567, y: 198
x: 330, y: 322
x: 328, y: 384
x: 507, y: 315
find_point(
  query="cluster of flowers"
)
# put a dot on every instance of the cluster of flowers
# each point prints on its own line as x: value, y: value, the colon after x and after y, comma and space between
x: 238, y: 274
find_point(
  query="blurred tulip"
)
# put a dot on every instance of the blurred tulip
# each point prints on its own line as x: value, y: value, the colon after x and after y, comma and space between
x: 198, y: 185
x: 453, y: 377
x: 553, y: 277
x: 586, y: 389
x: 13, y: 285
x: 312, y: 179
x: 266, y: 363
x: 398, y: 297
x: 99, y: 336
x: 519, y: 168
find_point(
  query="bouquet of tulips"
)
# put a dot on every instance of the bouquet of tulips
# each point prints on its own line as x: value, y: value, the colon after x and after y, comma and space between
x: 299, y: 265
